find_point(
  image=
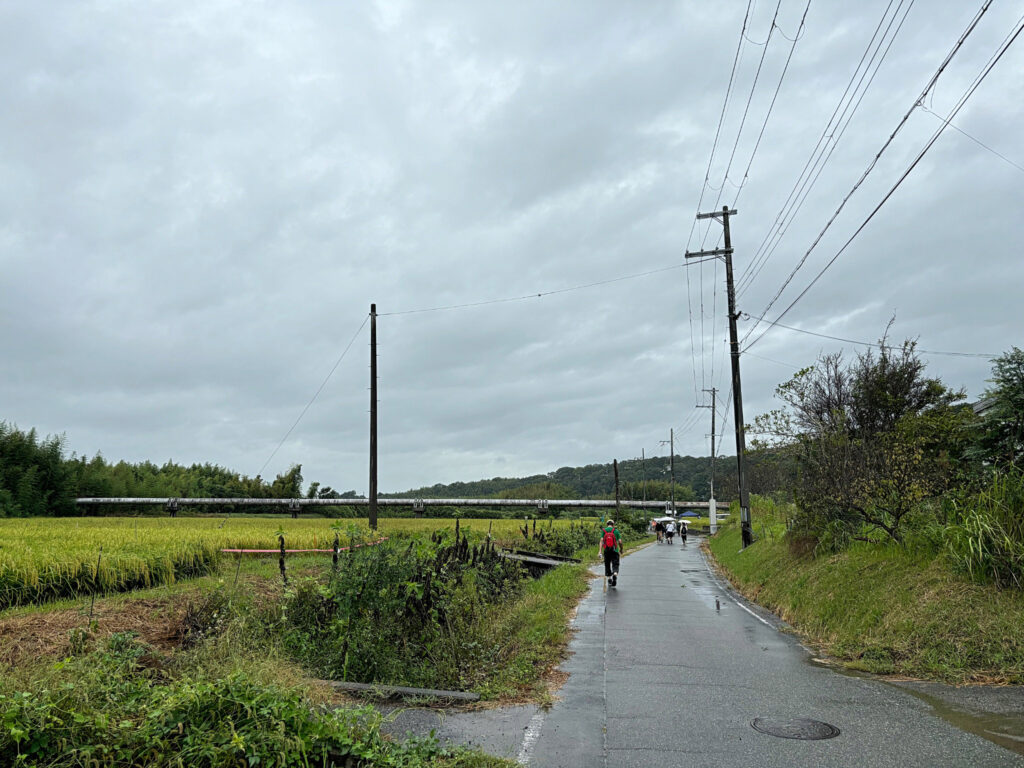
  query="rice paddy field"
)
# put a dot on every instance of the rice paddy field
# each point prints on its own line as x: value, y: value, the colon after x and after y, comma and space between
x: 45, y: 559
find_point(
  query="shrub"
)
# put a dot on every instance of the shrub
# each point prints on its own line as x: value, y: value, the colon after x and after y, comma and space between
x: 107, y: 709
x: 406, y: 613
x: 987, y: 542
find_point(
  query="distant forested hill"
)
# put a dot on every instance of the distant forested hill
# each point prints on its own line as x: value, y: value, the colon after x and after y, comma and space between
x: 693, y: 475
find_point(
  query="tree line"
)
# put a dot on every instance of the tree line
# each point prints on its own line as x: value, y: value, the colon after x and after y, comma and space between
x: 37, y: 478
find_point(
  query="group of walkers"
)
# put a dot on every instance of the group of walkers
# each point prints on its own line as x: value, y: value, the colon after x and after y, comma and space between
x: 666, y: 530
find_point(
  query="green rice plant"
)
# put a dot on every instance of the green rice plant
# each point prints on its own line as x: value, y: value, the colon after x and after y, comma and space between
x: 44, y: 559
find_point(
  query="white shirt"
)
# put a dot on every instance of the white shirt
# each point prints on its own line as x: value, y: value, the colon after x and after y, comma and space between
x: 671, y: 528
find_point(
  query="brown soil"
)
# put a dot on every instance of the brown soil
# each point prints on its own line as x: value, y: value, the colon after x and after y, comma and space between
x: 156, y: 621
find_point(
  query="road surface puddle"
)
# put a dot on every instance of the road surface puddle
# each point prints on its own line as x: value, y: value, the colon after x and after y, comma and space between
x: 1003, y: 728
x: 1006, y: 730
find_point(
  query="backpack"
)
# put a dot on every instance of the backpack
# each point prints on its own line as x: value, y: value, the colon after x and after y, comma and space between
x: 609, y: 539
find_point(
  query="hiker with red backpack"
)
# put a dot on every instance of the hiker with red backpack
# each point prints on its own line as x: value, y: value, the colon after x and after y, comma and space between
x: 611, y: 548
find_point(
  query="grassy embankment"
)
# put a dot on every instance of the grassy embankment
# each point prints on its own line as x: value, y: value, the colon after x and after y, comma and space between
x: 883, y: 609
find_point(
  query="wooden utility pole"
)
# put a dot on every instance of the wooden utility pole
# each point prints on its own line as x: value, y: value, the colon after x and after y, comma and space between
x: 712, y: 519
x: 615, y: 465
x: 373, y: 417
x: 643, y: 471
x: 734, y: 345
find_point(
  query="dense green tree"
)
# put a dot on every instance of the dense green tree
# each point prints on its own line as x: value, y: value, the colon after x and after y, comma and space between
x: 33, y: 474
x: 656, y: 490
x: 998, y: 438
x: 37, y: 479
x: 870, y: 439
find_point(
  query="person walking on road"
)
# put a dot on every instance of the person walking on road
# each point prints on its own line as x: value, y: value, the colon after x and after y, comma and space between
x: 611, y: 548
x: 670, y: 531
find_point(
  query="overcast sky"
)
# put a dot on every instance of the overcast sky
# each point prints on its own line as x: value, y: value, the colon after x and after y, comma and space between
x: 201, y: 198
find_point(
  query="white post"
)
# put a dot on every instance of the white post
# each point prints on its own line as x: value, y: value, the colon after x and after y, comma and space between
x: 713, y: 516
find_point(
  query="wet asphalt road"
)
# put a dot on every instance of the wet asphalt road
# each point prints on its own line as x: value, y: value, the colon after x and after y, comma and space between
x: 660, y: 676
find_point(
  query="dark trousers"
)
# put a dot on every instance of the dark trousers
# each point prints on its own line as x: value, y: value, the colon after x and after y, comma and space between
x: 611, y: 562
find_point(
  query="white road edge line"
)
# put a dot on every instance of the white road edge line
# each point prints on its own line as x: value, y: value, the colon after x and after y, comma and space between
x: 530, y: 737
x: 728, y: 593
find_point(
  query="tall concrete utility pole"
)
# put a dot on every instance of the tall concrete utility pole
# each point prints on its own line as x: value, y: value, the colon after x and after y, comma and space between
x: 373, y: 417
x: 712, y: 510
x: 671, y: 465
x: 734, y: 345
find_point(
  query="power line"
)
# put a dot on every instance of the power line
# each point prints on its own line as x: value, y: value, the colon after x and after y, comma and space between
x: 746, y: 109
x: 688, y: 423
x: 750, y: 162
x: 772, y: 360
x: 819, y: 165
x: 681, y: 429
x: 799, y: 32
x: 874, y: 161
x: 703, y: 357
x: 721, y: 119
x: 315, y: 394
x: 827, y: 142
x: 718, y: 196
x: 693, y: 352
x: 816, y: 161
x: 865, y: 343
x: 963, y: 100
x: 529, y: 296
x: 775, y: 96
x: 975, y: 140
x: 757, y: 144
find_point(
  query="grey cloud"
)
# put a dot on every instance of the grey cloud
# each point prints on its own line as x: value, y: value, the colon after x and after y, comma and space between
x: 202, y: 199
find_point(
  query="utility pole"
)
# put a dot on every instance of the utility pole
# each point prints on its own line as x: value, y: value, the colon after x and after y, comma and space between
x: 671, y: 465
x: 734, y: 345
x: 615, y: 464
x: 712, y: 509
x: 643, y: 471
x: 373, y: 417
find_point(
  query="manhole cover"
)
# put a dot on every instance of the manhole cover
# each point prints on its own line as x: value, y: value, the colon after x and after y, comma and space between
x: 800, y: 728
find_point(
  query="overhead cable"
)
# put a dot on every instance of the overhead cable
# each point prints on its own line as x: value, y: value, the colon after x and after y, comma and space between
x: 539, y: 295
x: 771, y: 106
x: 700, y: 201
x: 963, y: 100
x: 975, y: 140
x: 827, y: 142
x: 721, y: 119
x: 866, y: 343
x: 874, y: 161
x: 315, y: 394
